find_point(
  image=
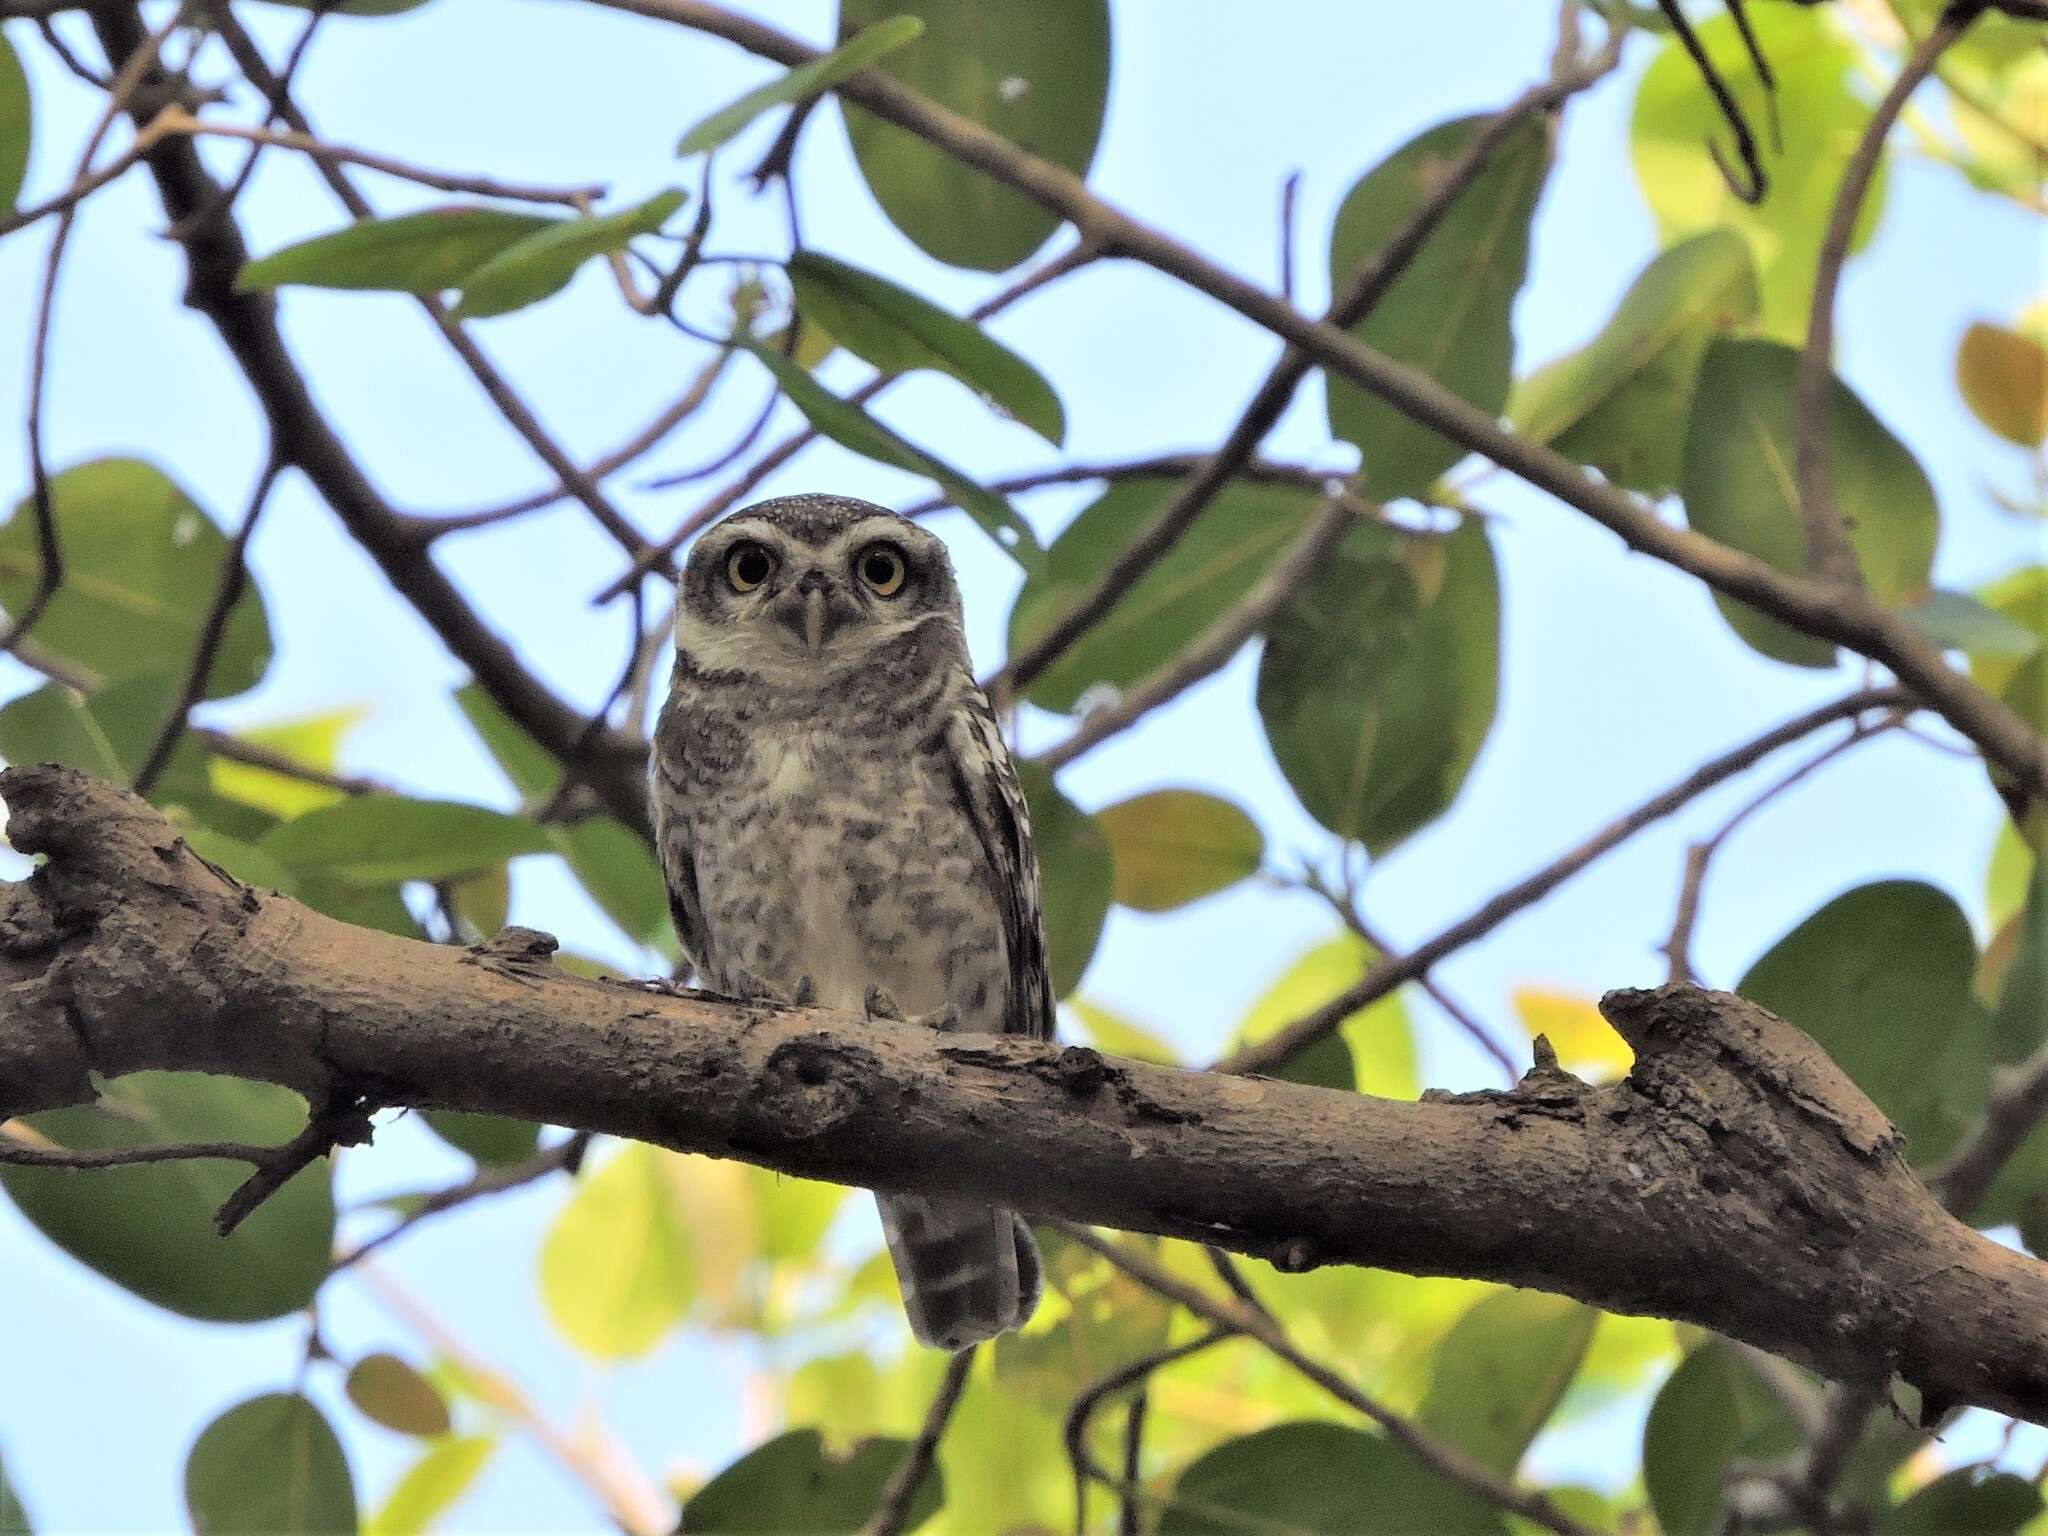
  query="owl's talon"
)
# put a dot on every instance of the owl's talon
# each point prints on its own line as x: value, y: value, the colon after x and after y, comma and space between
x: 806, y: 994
x: 880, y: 1005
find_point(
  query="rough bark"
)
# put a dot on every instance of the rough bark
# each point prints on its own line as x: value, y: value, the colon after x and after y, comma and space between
x: 1736, y: 1179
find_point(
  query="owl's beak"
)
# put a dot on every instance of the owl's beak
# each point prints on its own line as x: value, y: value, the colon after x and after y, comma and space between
x: 813, y: 609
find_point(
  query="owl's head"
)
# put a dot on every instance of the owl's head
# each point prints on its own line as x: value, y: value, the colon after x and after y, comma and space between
x: 811, y: 582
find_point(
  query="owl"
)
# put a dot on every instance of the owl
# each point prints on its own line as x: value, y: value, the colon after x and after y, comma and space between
x: 839, y: 822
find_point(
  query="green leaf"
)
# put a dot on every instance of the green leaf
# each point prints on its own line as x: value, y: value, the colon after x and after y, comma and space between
x: 1320, y: 1480
x: 848, y: 425
x: 1619, y: 403
x: 616, y: 1271
x: 1738, y: 480
x: 432, y: 1485
x: 141, y: 563
x: 1449, y: 313
x: 615, y: 865
x: 1880, y: 977
x: 1234, y: 542
x: 1711, y: 1411
x: 313, y: 741
x: 493, y: 1140
x: 542, y: 263
x: 2003, y: 377
x: 1378, y: 682
x: 270, y: 1467
x: 1822, y: 113
x: 427, y: 252
x: 1956, y: 621
x: 16, y: 125
x: 1501, y: 1372
x: 390, y: 1392
x: 149, y: 1228
x: 805, y: 81
x: 1373, y: 1050
x: 1036, y: 75
x: 793, y: 1483
x: 1174, y: 846
x: 1077, y: 876
x: 1968, y: 1501
x: 374, y: 839
x: 13, y: 1518
x: 896, y: 330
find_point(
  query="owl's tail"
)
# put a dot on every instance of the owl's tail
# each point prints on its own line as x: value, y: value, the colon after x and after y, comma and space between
x: 968, y: 1272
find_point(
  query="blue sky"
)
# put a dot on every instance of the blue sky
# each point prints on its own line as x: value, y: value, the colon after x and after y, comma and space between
x: 1619, y: 677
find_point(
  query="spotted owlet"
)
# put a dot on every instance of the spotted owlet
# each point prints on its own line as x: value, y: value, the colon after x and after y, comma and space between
x: 839, y: 821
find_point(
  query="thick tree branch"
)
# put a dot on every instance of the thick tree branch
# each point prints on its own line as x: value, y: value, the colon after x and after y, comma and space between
x: 1811, y: 607
x: 1734, y: 1179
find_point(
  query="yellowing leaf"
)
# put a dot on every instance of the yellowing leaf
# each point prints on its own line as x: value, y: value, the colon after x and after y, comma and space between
x: 2004, y: 379
x: 313, y: 741
x: 617, y: 1270
x: 1380, y: 1041
x: 1117, y: 1035
x: 1586, y: 1043
x: 431, y: 1485
x: 1174, y: 846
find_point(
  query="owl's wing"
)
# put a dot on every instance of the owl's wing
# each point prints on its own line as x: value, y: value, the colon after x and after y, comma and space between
x: 985, y: 779
x: 678, y: 860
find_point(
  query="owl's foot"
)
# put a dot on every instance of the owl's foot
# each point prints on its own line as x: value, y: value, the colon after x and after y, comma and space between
x: 743, y: 986
x: 879, y: 1005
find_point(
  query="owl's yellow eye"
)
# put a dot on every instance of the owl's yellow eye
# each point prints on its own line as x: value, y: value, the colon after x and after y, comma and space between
x: 881, y: 567
x: 749, y: 565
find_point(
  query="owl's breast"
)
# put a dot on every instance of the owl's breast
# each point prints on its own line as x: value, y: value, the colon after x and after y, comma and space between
x: 852, y: 863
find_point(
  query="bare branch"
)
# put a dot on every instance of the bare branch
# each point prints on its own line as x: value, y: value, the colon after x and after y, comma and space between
x: 1225, y: 635
x: 892, y: 1515
x: 1281, y: 1046
x: 1362, y: 294
x: 1830, y: 556
x: 1440, y: 1456
x: 1075, y: 1431
x: 234, y: 578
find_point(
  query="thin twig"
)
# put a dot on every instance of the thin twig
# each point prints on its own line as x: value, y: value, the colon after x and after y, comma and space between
x: 1280, y: 1047
x: 19, y: 1154
x: 1224, y: 636
x: 591, y: 1455
x: 49, y: 550
x: 1128, y: 1518
x: 1830, y: 556
x: 650, y: 436
x: 892, y: 1514
x: 2017, y: 1103
x: 490, y: 1179
x: 1445, y: 1459
x: 1678, y: 947
x: 1361, y: 296
x: 1345, y: 905
x: 1290, y: 197
x: 182, y: 122
x: 1075, y: 1430
x: 1754, y: 183
x: 234, y: 579
x: 341, y: 1119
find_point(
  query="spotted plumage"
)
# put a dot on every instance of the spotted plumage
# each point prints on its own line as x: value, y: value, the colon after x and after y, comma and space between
x: 834, y: 804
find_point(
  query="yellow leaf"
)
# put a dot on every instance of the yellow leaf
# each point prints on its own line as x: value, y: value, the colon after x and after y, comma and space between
x: 616, y: 1271
x: 2004, y: 379
x: 1585, y: 1042
x: 314, y: 742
